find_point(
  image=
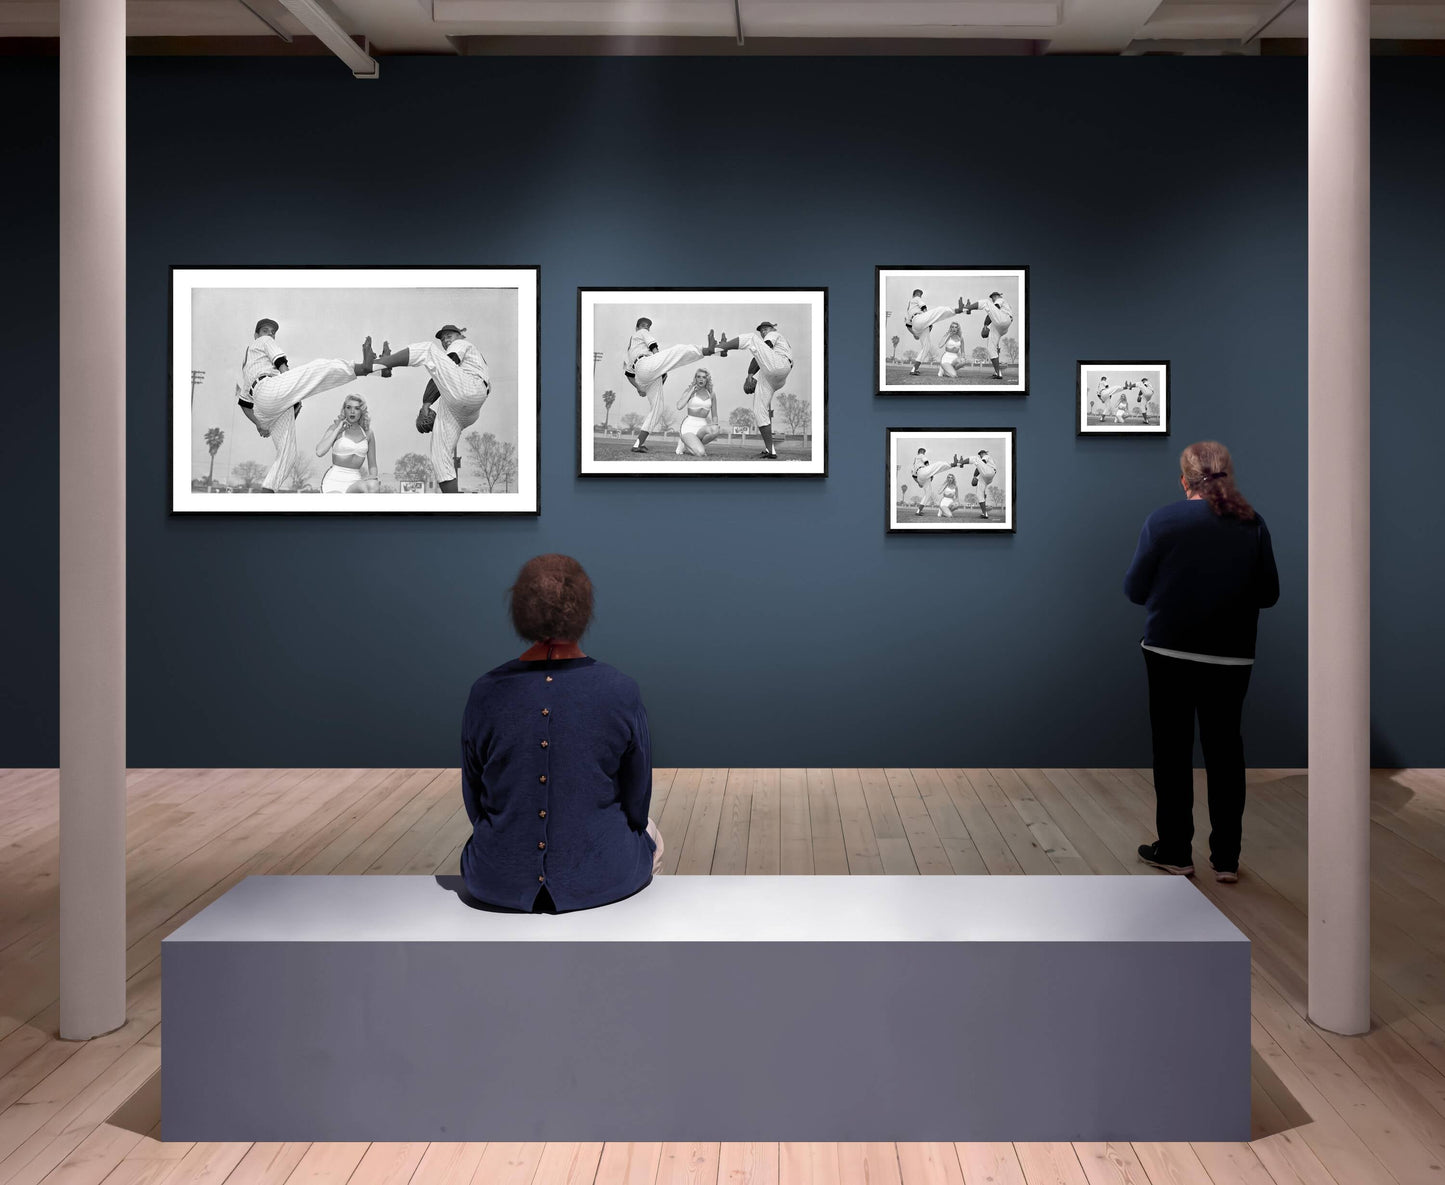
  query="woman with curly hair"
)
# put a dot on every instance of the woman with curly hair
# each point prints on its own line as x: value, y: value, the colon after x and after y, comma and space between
x: 556, y: 762
x: 353, y: 450
x: 699, y: 427
x: 1204, y: 568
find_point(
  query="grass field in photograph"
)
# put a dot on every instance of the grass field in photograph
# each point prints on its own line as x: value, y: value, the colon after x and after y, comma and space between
x: 907, y: 512
x: 664, y: 448
x: 1127, y: 422
x: 970, y: 376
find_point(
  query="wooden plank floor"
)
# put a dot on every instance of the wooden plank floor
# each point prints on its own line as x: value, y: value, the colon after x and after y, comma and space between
x: 1326, y: 1110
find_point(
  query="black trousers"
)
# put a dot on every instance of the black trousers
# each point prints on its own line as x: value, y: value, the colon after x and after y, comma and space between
x: 1179, y: 690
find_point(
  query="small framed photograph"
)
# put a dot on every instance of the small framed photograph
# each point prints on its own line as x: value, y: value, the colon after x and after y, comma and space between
x: 951, y: 330
x: 1123, y: 398
x: 709, y: 382
x: 410, y: 389
x: 951, y: 479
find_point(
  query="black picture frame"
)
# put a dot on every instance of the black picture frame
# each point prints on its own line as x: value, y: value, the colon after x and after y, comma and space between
x: 1166, y: 392
x: 890, y: 514
x: 687, y: 470
x: 931, y: 390
x: 365, y: 505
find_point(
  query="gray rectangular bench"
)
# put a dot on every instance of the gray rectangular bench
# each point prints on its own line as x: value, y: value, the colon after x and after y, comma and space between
x: 710, y: 1008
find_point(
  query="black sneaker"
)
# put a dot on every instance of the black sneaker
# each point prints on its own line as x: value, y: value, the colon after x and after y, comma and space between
x: 1147, y: 854
x: 640, y: 448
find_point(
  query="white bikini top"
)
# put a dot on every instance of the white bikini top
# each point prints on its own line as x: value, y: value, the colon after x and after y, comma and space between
x: 346, y: 447
x: 699, y: 405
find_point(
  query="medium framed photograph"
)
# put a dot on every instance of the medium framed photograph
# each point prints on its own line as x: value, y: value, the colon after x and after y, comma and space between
x: 1123, y: 398
x: 951, y: 479
x: 408, y: 389
x: 708, y: 382
x: 951, y: 330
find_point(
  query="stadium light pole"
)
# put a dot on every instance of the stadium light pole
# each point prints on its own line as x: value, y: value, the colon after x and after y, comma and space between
x: 1339, y: 529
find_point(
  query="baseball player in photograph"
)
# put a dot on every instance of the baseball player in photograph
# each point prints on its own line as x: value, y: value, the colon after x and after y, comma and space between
x: 1149, y: 398
x: 647, y: 367
x: 981, y: 478
x: 919, y: 320
x: 700, y: 424
x: 924, y: 471
x: 998, y: 318
x: 458, y: 387
x: 767, y: 373
x: 1101, y: 401
x: 271, y: 391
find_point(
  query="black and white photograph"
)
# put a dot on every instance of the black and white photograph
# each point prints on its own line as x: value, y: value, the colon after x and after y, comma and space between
x: 1123, y: 398
x: 411, y: 390
x: 951, y: 330
x: 702, y: 381
x: 951, y: 479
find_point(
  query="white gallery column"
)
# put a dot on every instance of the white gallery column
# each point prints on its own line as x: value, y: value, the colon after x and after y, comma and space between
x: 92, y: 517
x: 1339, y: 519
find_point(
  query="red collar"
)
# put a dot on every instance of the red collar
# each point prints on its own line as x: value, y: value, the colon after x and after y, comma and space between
x: 551, y: 648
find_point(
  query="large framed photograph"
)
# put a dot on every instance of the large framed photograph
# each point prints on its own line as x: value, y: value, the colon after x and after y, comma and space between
x: 951, y: 330
x: 1123, y: 398
x: 951, y: 479
x: 708, y: 382
x: 408, y: 389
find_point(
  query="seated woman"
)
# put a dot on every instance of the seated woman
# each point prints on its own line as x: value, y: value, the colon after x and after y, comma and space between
x: 352, y: 446
x: 556, y: 762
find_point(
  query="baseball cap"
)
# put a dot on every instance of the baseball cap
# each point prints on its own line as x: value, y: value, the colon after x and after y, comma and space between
x: 991, y: 295
x: 764, y: 326
x: 448, y: 329
x: 265, y: 321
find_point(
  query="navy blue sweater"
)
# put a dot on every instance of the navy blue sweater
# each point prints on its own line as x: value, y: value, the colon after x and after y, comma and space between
x: 1203, y: 578
x: 557, y: 779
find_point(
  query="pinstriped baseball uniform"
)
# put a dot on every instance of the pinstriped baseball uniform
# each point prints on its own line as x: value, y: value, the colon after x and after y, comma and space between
x: 924, y: 471
x: 464, y: 382
x: 649, y: 370
x: 919, y: 323
x: 775, y: 363
x: 273, y: 395
x: 1000, y: 317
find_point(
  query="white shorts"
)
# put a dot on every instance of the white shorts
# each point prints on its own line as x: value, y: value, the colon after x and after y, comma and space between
x: 693, y: 425
x: 339, y: 479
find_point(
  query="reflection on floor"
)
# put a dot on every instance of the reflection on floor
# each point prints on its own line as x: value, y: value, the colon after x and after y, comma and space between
x: 1327, y: 1110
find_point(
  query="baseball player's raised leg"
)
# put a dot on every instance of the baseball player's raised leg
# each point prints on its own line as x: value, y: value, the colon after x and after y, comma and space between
x: 651, y: 367
x: 277, y: 392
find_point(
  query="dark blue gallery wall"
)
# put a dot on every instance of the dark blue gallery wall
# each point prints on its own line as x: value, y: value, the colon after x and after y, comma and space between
x: 29, y: 417
x: 1160, y: 204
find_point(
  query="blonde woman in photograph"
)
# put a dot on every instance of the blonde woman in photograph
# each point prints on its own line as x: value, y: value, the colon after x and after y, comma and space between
x: 952, y: 352
x: 700, y: 426
x: 352, y: 447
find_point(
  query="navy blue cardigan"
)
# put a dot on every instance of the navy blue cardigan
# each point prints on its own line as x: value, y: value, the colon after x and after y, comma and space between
x: 1203, y: 579
x: 557, y: 779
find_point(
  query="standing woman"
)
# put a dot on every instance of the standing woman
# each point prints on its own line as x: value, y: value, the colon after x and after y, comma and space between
x: 700, y: 426
x: 1204, y: 568
x: 353, y: 450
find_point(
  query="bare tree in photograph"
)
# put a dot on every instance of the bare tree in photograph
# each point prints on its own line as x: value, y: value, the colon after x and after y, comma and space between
x: 608, y: 399
x: 632, y: 421
x: 742, y: 417
x: 214, y: 439
x: 412, y: 467
x: 247, y: 474
x: 979, y: 356
x: 1009, y: 350
x: 796, y: 410
x: 495, y: 460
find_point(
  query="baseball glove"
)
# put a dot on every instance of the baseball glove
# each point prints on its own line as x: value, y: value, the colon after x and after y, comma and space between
x: 974, y: 482
x: 425, y: 419
x: 987, y: 321
x: 750, y: 385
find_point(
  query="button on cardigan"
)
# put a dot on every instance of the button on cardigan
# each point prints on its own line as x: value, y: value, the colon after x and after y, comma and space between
x: 557, y: 780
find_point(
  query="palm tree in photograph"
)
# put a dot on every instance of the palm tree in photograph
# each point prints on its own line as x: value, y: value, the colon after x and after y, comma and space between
x: 895, y: 348
x: 214, y: 439
x: 608, y: 399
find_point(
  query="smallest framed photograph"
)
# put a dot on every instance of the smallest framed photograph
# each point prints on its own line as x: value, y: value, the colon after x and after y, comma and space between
x: 951, y: 479
x: 1124, y: 398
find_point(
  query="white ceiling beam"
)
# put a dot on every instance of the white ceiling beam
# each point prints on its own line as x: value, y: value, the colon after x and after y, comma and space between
x: 774, y: 18
x: 321, y: 20
x: 1101, y: 26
